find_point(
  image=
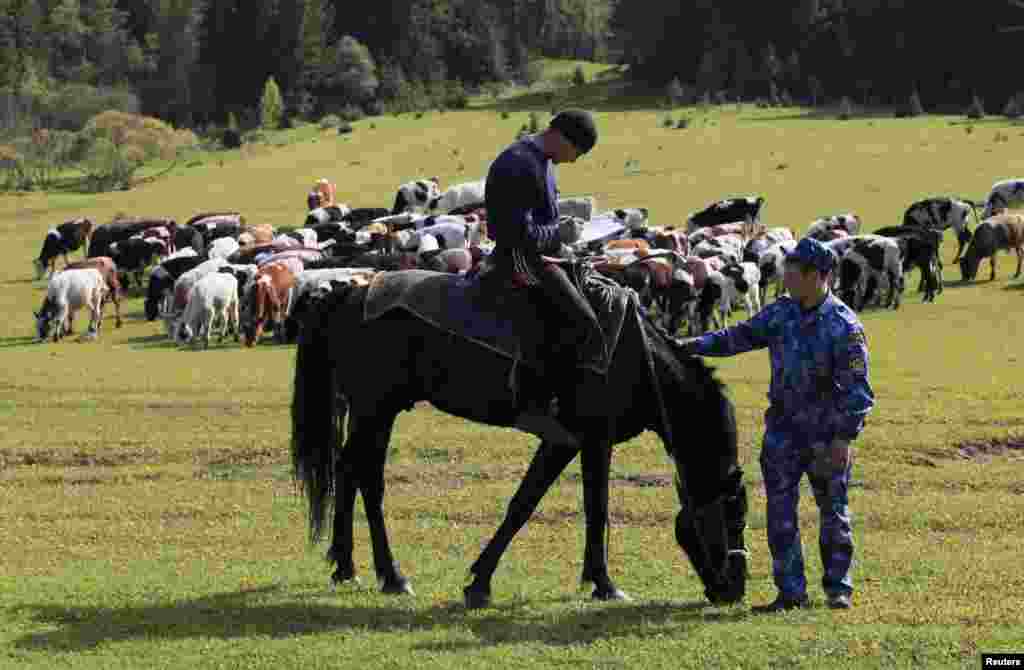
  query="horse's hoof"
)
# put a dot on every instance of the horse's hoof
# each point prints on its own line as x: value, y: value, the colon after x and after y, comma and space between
x: 612, y: 594
x: 402, y: 587
x: 476, y: 599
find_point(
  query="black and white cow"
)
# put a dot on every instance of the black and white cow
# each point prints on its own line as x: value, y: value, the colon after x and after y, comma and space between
x: 161, y: 282
x: 742, y: 284
x: 873, y: 263
x: 60, y: 241
x: 821, y: 228
x: 726, y: 211
x: 466, y: 194
x: 416, y: 195
x: 189, y: 236
x: 771, y: 265
x: 941, y: 214
x: 1004, y: 194
x: 361, y: 216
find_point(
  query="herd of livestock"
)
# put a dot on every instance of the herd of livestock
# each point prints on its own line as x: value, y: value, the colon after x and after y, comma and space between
x: 218, y: 274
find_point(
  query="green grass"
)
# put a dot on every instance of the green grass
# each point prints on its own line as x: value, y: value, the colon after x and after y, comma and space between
x: 148, y: 520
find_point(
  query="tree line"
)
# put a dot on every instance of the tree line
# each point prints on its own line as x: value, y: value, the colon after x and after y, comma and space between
x: 871, y: 51
x: 200, y: 62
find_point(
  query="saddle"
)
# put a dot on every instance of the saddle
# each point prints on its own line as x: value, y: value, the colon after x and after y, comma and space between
x: 493, y: 310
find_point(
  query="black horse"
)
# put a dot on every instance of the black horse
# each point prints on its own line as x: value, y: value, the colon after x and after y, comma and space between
x: 373, y: 369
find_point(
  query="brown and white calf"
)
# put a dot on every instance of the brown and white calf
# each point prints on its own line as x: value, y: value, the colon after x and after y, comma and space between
x: 267, y: 302
x: 108, y: 269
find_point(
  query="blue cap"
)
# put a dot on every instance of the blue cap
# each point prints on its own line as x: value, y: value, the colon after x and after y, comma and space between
x: 810, y: 251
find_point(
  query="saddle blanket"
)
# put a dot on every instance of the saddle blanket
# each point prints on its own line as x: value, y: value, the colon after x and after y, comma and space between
x: 494, y: 317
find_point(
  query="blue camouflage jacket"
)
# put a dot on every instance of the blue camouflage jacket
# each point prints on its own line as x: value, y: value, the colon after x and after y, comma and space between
x: 819, y: 365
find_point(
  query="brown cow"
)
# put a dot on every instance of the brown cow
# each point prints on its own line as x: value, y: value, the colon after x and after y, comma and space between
x: 1001, y: 232
x: 108, y: 269
x: 267, y: 300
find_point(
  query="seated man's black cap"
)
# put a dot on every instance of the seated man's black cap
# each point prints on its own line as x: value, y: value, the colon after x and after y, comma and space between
x: 578, y: 127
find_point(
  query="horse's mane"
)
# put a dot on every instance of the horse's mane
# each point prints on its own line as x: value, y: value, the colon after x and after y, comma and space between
x: 684, y: 363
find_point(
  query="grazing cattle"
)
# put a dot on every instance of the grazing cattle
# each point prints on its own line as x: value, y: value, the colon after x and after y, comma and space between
x: 771, y: 265
x: 120, y: 230
x: 161, y: 282
x: 726, y: 211
x: 216, y: 226
x: 60, y: 241
x: 213, y: 300
x: 735, y: 230
x: 742, y: 283
x: 1004, y: 194
x: 326, y: 215
x: 823, y: 229
x: 182, y: 253
x: 308, y: 281
x: 267, y: 302
x: 872, y: 263
x: 189, y: 236
x: 68, y: 292
x: 633, y: 218
x: 640, y: 247
x: 579, y: 208
x: 183, y: 286
x: 762, y: 241
x: 670, y: 238
x: 459, y: 195
x: 207, y: 218
x: 416, y: 196
x: 941, y: 214
x: 247, y: 255
x: 451, y: 232
x: 361, y: 216
x: 1001, y: 232
x: 920, y: 249
x: 134, y: 255
x: 108, y: 270
x: 728, y: 247
x: 161, y: 233
x: 296, y: 257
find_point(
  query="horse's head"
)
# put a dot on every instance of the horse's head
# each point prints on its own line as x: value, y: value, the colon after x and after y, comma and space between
x: 709, y: 481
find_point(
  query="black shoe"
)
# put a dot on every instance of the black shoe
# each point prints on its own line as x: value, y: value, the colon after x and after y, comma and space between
x: 782, y: 603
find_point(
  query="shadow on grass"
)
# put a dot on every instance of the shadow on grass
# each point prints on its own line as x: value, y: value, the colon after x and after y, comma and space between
x: 20, y: 341
x: 246, y: 614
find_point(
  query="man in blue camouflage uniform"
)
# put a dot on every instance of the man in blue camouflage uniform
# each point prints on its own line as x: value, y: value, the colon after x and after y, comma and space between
x: 819, y: 398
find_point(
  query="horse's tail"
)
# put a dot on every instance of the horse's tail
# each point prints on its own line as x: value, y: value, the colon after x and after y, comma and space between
x: 317, y: 418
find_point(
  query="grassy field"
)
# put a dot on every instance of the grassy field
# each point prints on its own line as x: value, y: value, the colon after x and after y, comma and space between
x: 148, y: 518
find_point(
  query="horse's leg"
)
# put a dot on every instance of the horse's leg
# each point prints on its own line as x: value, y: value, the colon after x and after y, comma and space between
x: 596, y: 466
x: 546, y: 466
x: 370, y: 438
x: 346, y: 485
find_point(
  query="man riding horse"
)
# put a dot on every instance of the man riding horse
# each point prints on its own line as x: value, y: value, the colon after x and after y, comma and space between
x: 522, y: 214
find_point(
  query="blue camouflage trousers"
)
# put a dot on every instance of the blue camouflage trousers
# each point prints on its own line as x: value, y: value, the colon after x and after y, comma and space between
x: 785, y: 456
